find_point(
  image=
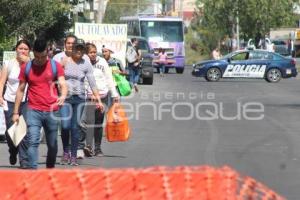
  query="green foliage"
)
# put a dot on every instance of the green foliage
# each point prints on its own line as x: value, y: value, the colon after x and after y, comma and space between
x: 28, y: 19
x: 2, y: 29
x: 6, y: 43
x: 215, y: 19
x: 194, y: 48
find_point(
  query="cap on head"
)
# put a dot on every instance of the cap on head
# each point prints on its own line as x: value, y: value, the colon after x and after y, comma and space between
x: 79, y: 45
x: 107, y: 47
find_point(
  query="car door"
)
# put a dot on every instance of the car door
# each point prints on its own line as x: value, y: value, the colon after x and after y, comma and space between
x: 258, y: 63
x: 236, y: 64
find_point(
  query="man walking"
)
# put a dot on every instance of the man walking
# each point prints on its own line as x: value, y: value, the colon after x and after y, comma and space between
x: 43, y: 102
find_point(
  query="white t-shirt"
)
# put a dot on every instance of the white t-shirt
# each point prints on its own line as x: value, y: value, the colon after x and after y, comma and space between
x: 12, y: 83
x: 59, y: 57
x: 104, y: 79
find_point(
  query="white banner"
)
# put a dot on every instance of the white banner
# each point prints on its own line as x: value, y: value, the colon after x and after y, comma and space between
x: 9, y: 55
x: 245, y: 71
x: 113, y: 35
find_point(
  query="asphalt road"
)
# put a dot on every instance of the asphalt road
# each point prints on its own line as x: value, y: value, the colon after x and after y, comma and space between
x: 249, y: 125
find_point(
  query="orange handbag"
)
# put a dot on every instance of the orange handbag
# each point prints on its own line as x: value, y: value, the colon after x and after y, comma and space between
x: 117, y: 127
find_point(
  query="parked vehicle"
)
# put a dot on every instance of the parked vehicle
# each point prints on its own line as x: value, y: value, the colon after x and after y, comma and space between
x: 247, y: 64
x: 281, y: 47
x: 161, y: 32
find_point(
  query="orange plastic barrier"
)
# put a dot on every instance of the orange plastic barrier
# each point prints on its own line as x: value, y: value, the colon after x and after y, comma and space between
x: 157, y: 183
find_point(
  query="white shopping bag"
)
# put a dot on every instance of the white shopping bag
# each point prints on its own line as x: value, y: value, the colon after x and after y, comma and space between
x: 18, y: 131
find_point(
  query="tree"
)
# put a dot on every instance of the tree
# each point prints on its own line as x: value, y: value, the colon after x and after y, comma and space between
x: 5, y: 42
x: 215, y: 19
x: 29, y: 19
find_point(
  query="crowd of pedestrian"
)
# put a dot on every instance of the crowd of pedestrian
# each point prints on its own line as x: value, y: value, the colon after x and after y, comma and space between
x: 70, y: 89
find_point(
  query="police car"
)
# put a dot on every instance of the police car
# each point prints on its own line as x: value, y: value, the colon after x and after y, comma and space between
x: 247, y: 64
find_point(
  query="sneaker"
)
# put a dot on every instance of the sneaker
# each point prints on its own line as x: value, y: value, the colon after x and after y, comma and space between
x: 98, y: 153
x: 80, y: 154
x: 13, y: 159
x: 88, y: 151
x: 65, y: 159
x: 74, y: 162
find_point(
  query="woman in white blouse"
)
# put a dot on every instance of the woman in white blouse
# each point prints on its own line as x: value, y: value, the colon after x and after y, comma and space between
x: 93, y: 118
x: 10, y: 79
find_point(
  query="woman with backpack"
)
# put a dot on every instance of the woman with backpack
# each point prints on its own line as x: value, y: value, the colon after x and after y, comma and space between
x: 10, y: 77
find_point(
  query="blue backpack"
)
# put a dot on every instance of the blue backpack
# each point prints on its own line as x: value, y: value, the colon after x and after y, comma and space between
x: 53, y: 66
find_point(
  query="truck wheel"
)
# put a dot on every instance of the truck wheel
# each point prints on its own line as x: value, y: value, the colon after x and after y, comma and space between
x: 2, y: 138
x: 179, y: 70
x: 148, y: 81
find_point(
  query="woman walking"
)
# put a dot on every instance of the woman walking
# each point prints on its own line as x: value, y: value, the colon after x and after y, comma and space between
x: 9, y: 77
x: 93, y: 118
x: 76, y: 70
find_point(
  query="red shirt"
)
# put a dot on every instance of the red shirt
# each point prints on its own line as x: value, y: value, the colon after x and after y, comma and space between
x: 42, y: 92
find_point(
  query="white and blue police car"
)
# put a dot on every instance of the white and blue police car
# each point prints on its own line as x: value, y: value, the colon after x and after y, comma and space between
x: 247, y: 64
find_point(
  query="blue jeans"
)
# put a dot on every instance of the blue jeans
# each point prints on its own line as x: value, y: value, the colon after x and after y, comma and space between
x: 21, y: 148
x: 71, y: 113
x: 134, y: 75
x: 35, y: 121
x: 162, y: 68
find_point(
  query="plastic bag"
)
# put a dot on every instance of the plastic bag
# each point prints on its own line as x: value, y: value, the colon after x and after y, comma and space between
x: 122, y: 84
x: 117, y: 128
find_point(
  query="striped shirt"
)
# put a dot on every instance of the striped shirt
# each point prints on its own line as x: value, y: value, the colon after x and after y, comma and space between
x: 75, y: 73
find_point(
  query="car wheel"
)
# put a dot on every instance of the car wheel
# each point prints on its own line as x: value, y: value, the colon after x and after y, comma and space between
x: 213, y: 74
x: 179, y: 70
x: 148, y: 81
x: 273, y: 75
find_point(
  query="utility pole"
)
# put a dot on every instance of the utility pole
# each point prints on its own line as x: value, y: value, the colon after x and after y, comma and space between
x: 99, y: 11
x: 237, y: 31
x: 174, y: 6
x: 181, y: 8
x: 237, y: 26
